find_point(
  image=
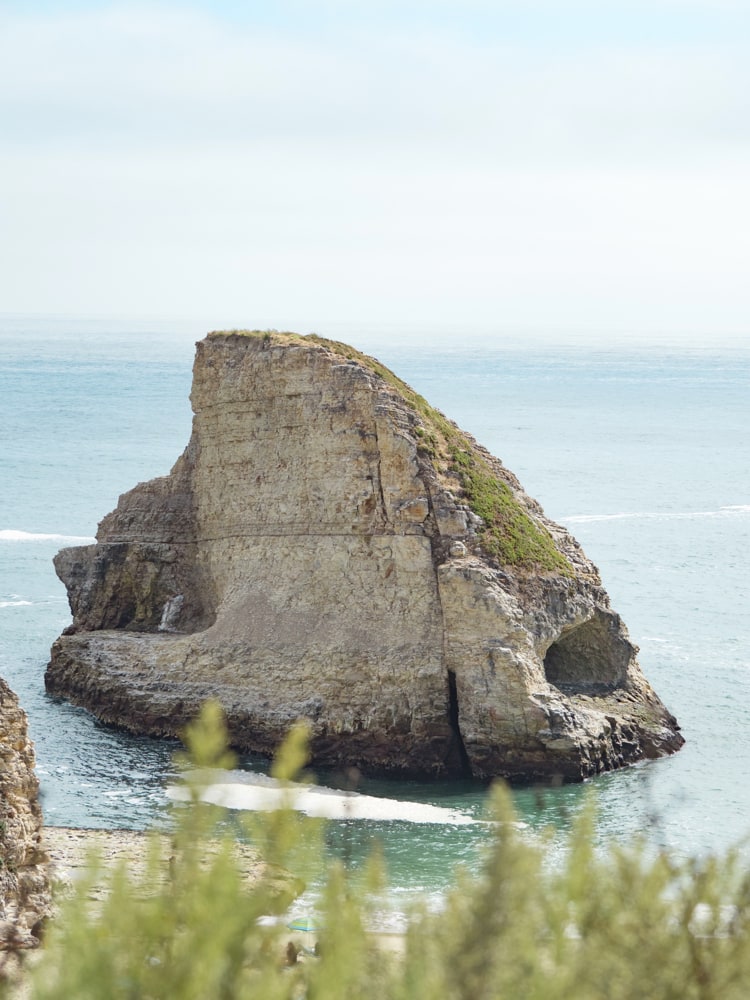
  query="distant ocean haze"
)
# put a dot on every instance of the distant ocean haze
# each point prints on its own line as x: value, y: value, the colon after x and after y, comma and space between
x: 641, y: 453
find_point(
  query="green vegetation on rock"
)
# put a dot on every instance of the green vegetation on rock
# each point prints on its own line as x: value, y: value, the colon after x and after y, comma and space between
x: 510, y: 535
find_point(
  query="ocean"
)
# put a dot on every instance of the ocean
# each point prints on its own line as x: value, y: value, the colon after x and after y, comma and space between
x: 642, y: 451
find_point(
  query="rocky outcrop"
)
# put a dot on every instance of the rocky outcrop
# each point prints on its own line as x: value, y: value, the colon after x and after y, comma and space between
x: 330, y: 546
x: 24, y: 882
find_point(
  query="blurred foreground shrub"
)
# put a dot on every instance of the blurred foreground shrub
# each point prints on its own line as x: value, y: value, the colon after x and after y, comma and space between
x: 623, y: 925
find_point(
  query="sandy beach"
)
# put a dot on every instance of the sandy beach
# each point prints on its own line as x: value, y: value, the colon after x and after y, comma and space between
x: 70, y: 852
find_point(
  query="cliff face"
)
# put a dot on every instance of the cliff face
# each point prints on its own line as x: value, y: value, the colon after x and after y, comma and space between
x: 330, y: 546
x: 24, y: 884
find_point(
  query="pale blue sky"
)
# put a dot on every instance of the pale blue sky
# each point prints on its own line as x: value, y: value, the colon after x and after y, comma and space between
x: 508, y: 165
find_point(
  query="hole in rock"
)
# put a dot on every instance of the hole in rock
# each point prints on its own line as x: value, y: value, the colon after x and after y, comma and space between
x: 592, y: 657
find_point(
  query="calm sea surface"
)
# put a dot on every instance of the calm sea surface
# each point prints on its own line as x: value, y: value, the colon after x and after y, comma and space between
x: 643, y: 454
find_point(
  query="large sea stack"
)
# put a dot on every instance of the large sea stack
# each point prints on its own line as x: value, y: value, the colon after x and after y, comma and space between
x: 329, y: 546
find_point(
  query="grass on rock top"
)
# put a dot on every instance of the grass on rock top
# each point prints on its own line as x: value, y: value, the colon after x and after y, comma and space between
x: 509, y: 535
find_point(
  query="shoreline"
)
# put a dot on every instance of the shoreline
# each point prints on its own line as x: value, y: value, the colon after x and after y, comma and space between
x: 69, y: 850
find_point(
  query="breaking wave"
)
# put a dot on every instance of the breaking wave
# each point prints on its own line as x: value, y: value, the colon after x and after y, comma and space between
x: 728, y: 511
x: 11, y: 535
x: 264, y: 795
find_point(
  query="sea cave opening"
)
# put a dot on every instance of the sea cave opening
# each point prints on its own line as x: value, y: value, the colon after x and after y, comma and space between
x: 590, y: 657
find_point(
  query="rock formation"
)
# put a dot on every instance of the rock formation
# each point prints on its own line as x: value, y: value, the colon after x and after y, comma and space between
x: 330, y: 546
x: 24, y: 883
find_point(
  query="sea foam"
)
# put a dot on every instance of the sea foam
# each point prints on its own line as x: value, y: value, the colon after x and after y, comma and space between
x: 730, y: 510
x: 319, y: 802
x: 11, y: 535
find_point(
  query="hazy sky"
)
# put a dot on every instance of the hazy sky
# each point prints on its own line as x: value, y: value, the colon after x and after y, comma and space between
x: 517, y: 164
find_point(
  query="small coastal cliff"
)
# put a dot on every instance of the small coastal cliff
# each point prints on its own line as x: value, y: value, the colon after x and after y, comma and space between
x: 24, y: 880
x: 329, y: 546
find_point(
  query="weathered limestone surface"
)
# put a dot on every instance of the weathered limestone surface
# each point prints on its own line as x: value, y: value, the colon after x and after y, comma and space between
x: 316, y: 551
x: 24, y: 882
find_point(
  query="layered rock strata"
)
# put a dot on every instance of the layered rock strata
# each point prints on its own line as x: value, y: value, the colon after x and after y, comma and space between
x: 24, y: 881
x: 331, y: 547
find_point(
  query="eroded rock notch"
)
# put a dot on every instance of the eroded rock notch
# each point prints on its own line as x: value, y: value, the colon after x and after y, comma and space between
x: 330, y: 546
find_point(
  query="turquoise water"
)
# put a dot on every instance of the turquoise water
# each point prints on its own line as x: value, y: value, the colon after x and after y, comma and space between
x: 642, y: 453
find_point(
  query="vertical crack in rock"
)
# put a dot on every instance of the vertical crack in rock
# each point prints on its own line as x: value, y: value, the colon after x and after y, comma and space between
x: 458, y: 748
x: 383, y: 509
x: 456, y: 759
x: 301, y: 598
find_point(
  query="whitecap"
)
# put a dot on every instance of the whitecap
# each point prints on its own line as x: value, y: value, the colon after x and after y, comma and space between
x: 586, y: 518
x: 11, y: 535
x: 321, y: 803
x: 656, y: 515
x: 16, y: 604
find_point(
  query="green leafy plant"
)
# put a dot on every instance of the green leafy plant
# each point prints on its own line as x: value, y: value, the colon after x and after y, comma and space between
x: 611, y: 923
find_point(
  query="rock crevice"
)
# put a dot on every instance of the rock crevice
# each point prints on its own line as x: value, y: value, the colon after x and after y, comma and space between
x: 331, y: 546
